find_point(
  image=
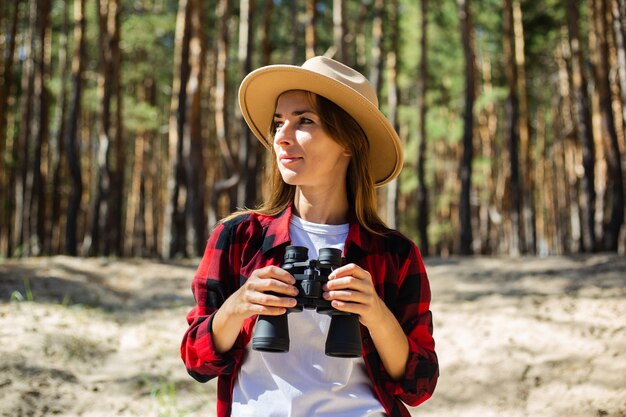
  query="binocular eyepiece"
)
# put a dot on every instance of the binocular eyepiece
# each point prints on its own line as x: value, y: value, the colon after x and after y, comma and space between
x: 271, y: 333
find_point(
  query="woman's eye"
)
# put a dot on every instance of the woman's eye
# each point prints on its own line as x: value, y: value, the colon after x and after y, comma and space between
x: 305, y: 121
x: 278, y: 124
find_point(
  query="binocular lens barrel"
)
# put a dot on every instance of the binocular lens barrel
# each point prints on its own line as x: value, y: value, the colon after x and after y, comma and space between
x: 344, y: 336
x: 271, y: 334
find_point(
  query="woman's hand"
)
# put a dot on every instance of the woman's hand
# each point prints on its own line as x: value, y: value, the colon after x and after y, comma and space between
x: 350, y: 288
x: 268, y: 291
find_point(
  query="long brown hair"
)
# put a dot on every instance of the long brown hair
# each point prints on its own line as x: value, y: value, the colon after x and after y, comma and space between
x: 340, y: 126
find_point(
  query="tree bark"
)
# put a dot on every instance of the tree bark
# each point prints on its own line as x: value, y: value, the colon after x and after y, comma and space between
x: 340, y: 31
x: 529, y: 236
x: 619, y: 21
x: 266, y: 42
x: 72, y: 129
x: 221, y: 115
x: 6, y: 83
x: 377, y: 46
x: 33, y: 132
x: 512, y: 131
x: 296, y: 32
x: 392, y: 101
x: 247, y: 188
x: 116, y: 199
x: 360, y: 38
x: 193, y: 140
x: 22, y: 152
x: 584, y: 127
x: 134, y: 197
x: 487, y: 130
x: 174, y: 217
x: 39, y: 133
x: 309, y: 30
x: 104, y: 233
x: 151, y: 186
x: 465, y: 215
x: 53, y: 228
x: 422, y: 82
x: 612, y: 227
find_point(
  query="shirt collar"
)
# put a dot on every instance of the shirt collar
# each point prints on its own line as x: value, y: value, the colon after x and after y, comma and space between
x: 278, y: 232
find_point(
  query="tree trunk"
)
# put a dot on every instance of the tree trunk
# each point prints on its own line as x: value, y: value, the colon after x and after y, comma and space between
x: 151, y: 187
x: 487, y: 130
x: 71, y: 144
x: 247, y: 188
x: 529, y: 236
x: 612, y: 227
x: 512, y: 131
x: 584, y: 127
x: 564, y: 114
x: 33, y: 132
x: 39, y: 133
x: 309, y: 30
x: 114, y: 221
x: 360, y: 38
x: 567, y: 204
x: 174, y: 217
x: 134, y: 197
x: 193, y: 140
x: 465, y: 215
x: 7, y: 80
x: 296, y: 32
x: 266, y: 42
x: 422, y: 81
x: 22, y: 156
x: 392, y: 101
x: 340, y: 31
x: 619, y: 29
x: 221, y: 115
x: 53, y: 229
x: 103, y: 236
x: 377, y: 46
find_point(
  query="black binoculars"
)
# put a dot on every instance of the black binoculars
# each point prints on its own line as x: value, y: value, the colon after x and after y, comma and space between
x: 271, y: 333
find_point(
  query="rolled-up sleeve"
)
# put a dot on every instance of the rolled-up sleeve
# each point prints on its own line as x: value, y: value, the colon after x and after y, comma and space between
x: 413, y: 311
x: 214, y: 281
x: 410, y: 303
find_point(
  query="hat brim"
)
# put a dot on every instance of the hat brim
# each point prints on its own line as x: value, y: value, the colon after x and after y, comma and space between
x: 260, y: 90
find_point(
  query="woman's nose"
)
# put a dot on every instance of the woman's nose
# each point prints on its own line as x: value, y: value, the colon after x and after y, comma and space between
x: 284, y: 134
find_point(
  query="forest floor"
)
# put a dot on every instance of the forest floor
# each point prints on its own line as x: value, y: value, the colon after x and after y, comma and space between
x: 540, y: 337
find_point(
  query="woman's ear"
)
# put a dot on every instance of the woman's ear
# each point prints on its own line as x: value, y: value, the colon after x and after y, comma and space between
x: 347, y: 152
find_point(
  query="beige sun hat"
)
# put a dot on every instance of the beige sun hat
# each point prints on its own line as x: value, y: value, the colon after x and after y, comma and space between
x: 340, y: 84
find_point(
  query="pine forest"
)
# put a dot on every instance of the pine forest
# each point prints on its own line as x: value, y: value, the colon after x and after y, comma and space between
x: 120, y: 132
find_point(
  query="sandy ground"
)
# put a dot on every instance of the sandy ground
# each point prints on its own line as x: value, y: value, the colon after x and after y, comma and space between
x: 515, y: 337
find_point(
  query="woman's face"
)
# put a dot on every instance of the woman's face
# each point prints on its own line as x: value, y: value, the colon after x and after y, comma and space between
x: 306, y: 155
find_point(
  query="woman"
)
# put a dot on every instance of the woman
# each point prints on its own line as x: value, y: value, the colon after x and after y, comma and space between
x: 331, y: 147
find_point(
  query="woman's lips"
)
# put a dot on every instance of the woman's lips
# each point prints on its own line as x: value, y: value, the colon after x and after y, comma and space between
x: 287, y: 159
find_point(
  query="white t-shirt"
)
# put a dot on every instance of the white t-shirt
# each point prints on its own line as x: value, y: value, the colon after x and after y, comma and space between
x: 304, y: 382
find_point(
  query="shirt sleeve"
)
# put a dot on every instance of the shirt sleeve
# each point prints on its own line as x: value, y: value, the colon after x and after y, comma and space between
x: 216, y: 278
x: 411, y: 306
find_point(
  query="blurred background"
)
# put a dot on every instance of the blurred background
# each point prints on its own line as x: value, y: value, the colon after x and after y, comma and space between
x: 120, y: 132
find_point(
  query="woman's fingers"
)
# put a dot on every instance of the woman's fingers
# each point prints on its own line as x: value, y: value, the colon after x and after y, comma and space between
x: 351, y: 289
x: 268, y: 291
x: 274, y: 272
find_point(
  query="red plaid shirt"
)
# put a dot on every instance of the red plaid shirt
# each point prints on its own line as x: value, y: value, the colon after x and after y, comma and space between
x: 248, y: 242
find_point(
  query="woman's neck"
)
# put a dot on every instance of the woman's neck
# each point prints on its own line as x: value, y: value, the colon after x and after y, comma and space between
x: 322, y: 206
